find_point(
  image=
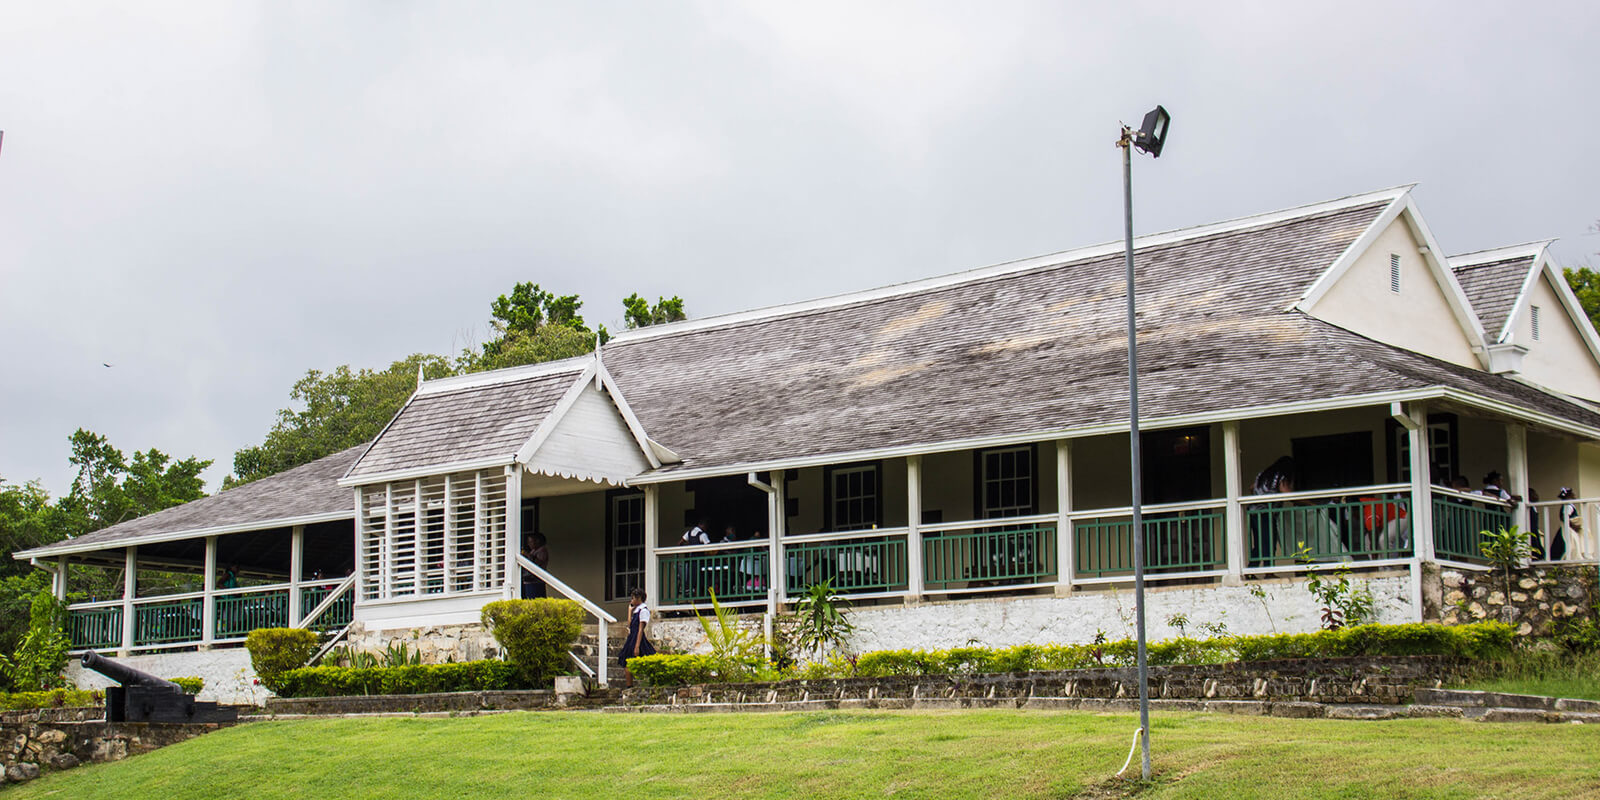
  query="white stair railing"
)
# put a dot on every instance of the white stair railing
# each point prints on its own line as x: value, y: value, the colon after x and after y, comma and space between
x: 327, y: 602
x: 604, y: 619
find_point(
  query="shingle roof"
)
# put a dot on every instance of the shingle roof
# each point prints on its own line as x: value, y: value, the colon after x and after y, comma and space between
x: 309, y: 490
x: 448, y: 425
x: 1492, y: 289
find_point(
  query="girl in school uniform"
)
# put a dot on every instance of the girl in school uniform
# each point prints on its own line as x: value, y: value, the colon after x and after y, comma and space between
x: 637, y: 644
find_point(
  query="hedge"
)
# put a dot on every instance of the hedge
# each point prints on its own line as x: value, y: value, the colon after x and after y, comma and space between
x: 466, y: 676
x: 190, y: 684
x: 1478, y: 641
x: 536, y: 634
x: 55, y: 698
x: 274, y: 651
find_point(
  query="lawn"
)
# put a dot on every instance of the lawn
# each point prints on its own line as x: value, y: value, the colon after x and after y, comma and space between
x: 1545, y: 673
x: 978, y: 754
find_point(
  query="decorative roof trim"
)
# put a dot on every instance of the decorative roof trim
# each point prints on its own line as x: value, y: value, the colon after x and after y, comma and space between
x: 69, y: 547
x: 983, y: 273
x: 1507, y: 253
x: 427, y: 471
x: 548, y: 425
x: 653, y: 451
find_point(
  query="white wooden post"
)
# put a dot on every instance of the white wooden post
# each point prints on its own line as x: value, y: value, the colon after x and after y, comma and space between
x: 60, y: 582
x: 1517, y: 474
x: 513, y: 587
x: 208, y: 603
x: 1066, y: 548
x: 130, y: 586
x: 1421, y: 491
x: 360, y: 550
x: 297, y: 564
x: 1234, y: 517
x: 652, y: 543
x: 777, y: 519
x: 914, y: 566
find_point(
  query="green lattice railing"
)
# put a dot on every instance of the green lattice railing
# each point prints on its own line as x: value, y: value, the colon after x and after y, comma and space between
x: 95, y: 628
x: 167, y: 623
x: 734, y: 575
x: 1174, y: 541
x: 989, y: 557
x: 854, y: 566
x: 1370, y: 527
x: 239, y: 614
x: 1458, y: 526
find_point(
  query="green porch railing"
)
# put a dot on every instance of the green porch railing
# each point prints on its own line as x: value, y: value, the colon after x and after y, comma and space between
x: 854, y: 566
x: 1174, y: 541
x: 1367, y: 527
x: 734, y: 575
x: 167, y: 623
x: 337, y: 616
x: 989, y: 557
x: 95, y: 628
x: 239, y: 614
x: 1458, y: 526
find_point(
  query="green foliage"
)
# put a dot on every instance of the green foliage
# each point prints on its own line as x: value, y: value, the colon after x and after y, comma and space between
x: 346, y: 657
x: 398, y: 654
x: 110, y: 488
x: 819, y: 620
x: 55, y: 698
x: 190, y: 684
x: 1585, y: 283
x: 16, y: 599
x: 468, y: 676
x: 1578, y: 636
x: 1344, y: 602
x: 338, y: 409
x: 664, y: 669
x: 1505, y: 548
x: 536, y: 634
x: 39, y: 658
x: 27, y: 520
x: 274, y: 651
x: 739, y: 654
x: 515, y: 348
x: 638, y: 312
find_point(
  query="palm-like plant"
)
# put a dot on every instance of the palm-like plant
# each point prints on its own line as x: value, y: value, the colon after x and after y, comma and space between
x: 1505, y: 548
x: 737, y: 652
x: 820, y: 622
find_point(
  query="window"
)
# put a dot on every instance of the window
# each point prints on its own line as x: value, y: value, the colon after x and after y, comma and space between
x: 1443, y: 452
x: 1533, y: 316
x: 1005, y: 479
x: 1394, y: 272
x: 434, y: 536
x: 624, y: 543
x: 1333, y: 461
x: 852, y: 502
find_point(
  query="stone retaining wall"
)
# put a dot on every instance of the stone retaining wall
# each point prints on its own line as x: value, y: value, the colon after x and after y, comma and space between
x: 29, y: 747
x: 438, y: 644
x: 1541, y: 598
x: 416, y: 703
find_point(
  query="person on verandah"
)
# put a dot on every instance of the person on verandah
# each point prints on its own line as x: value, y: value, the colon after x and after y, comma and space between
x: 637, y: 643
x: 535, y: 547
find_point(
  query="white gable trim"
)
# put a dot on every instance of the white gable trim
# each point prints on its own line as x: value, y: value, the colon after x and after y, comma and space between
x: 1405, y: 208
x: 596, y: 372
x: 650, y: 448
x: 552, y: 419
x: 1545, y: 266
x: 345, y: 479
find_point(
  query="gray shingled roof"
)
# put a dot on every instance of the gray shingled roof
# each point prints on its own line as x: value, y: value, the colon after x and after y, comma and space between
x: 1030, y: 351
x: 309, y: 490
x: 473, y: 423
x: 1492, y: 289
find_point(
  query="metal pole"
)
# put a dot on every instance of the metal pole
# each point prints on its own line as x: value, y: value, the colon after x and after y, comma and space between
x: 1133, y: 456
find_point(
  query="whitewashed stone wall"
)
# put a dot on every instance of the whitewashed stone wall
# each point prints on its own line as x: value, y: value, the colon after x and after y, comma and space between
x: 1075, y: 619
x: 226, y: 671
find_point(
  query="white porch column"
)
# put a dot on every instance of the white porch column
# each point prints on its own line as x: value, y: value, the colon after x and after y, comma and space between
x: 208, y: 603
x: 1234, y: 516
x: 914, y: 569
x: 652, y: 543
x: 1066, y: 550
x: 1517, y: 474
x: 1421, y: 492
x: 778, y: 520
x: 297, y: 564
x: 513, y: 585
x: 59, y: 584
x: 130, y: 586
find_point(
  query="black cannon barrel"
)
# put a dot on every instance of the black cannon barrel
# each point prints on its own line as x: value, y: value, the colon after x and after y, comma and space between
x: 126, y: 675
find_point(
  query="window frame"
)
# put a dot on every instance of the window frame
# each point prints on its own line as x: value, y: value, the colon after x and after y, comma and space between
x: 830, y: 521
x: 612, y: 548
x: 980, y: 508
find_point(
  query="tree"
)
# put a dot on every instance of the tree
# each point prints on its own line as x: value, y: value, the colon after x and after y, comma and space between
x: 27, y: 520
x: 338, y: 410
x: 531, y: 326
x: 1585, y: 283
x: 639, y: 313
x: 110, y: 489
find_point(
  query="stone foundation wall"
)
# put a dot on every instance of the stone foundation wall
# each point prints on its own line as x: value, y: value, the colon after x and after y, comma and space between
x: 1541, y: 598
x: 438, y: 644
x: 28, y: 748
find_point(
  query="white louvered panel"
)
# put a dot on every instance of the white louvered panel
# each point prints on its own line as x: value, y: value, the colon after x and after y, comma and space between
x: 431, y: 570
x: 374, y: 501
x: 492, y: 570
x: 402, y: 539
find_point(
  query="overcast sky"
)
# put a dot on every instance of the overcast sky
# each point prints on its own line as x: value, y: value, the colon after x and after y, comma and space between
x: 216, y: 197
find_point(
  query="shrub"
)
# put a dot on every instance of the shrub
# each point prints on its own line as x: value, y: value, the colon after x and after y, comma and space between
x: 274, y: 651
x: 665, y: 669
x: 59, y: 698
x: 536, y: 634
x: 468, y: 676
x: 191, y: 684
x: 42, y: 653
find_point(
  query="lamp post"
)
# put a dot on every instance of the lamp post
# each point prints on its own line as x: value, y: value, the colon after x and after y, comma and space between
x: 1150, y: 138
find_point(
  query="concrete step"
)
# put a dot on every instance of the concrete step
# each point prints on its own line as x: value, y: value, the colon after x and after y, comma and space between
x: 1464, y: 698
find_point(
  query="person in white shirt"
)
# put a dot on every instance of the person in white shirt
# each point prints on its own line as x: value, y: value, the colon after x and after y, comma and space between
x: 637, y: 644
x: 696, y: 535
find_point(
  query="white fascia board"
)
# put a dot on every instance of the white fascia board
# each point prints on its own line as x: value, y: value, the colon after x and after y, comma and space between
x: 983, y: 273
x: 1435, y: 259
x: 496, y: 377
x: 375, y: 439
x: 1348, y: 258
x: 1180, y: 421
x: 70, y: 546
x: 1546, y: 266
x: 646, y: 444
x: 551, y: 420
x: 1528, y: 280
x: 1518, y: 412
x: 1507, y: 253
x: 427, y: 471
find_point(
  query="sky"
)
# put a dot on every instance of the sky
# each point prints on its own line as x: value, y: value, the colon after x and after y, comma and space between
x: 216, y: 197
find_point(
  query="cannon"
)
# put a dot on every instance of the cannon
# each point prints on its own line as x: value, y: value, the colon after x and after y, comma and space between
x: 142, y: 697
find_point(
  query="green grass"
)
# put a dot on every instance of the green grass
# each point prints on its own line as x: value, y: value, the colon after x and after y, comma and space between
x: 1554, y: 674
x: 978, y: 754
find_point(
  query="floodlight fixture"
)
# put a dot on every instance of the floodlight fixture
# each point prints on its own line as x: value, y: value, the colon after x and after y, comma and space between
x: 1153, y: 131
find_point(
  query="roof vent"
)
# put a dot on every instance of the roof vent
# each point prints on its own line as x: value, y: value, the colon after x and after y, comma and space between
x: 1534, y: 316
x: 1394, y: 272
